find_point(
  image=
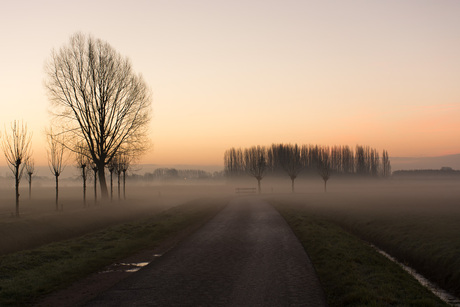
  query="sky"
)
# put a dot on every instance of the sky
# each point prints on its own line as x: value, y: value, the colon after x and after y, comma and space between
x: 239, y: 73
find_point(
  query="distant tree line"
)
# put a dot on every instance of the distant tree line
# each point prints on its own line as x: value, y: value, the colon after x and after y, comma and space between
x: 165, y: 174
x: 282, y: 159
x: 447, y: 172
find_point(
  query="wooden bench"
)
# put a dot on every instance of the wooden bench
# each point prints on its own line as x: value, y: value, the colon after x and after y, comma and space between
x: 245, y: 190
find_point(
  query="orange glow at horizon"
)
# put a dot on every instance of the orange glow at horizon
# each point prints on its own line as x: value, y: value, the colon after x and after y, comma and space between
x: 238, y: 73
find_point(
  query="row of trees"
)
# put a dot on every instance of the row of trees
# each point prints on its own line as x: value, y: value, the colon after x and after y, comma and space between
x: 280, y: 159
x: 16, y: 145
x: 101, y: 110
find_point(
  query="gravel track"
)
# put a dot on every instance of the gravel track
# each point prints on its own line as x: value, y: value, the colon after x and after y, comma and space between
x: 245, y: 256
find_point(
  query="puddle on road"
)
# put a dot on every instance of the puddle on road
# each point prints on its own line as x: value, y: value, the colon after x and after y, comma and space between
x: 442, y: 294
x: 128, y: 267
x: 125, y: 267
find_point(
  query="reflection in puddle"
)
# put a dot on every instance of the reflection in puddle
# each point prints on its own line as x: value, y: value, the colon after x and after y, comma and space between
x: 442, y: 294
x: 126, y: 267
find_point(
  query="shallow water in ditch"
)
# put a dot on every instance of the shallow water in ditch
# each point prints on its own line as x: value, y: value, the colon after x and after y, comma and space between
x: 442, y: 294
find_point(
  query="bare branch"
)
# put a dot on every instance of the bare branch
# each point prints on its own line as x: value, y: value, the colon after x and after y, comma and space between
x: 98, y: 100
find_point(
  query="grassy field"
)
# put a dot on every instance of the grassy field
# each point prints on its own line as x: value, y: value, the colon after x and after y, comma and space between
x: 351, y: 272
x: 417, y: 222
x: 27, y: 275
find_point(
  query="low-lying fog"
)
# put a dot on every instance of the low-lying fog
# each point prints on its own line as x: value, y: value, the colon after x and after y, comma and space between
x: 40, y: 217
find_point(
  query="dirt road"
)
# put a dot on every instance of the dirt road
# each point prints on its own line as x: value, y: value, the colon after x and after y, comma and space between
x: 245, y: 256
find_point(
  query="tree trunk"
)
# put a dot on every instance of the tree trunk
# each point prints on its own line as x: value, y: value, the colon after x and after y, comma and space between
x: 292, y: 179
x: 325, y: 190
x: 57, y: 192
x: 118, y: 185
x: 102, y: 182
x: 258, y: 184
x: 84, y: 186
x: 95, y: 186
x: 30, y: 186
x: 124, y: 184
x: 16, y: 178
x: 111, y: 185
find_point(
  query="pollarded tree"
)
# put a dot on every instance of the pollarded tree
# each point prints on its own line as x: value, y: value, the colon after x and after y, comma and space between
x: 82, y: 163
x: 56, y: 159
x: 16, y: 147
x: 113, y: 166
x: 30, y: 168
x: 124, y: 163
x: 324, y: 166
x: 291, y: 161
x: 98, y: 98
x: 255, y: 162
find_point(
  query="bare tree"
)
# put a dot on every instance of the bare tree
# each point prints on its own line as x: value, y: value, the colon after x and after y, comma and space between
x: 95, y: 172
x: 82, y: 163
x: 291, y: 161
x: 255, y: 161
x: 124, y: 163
x: 56, y: 159
x: 386, y: 166
x: 113, y: 166
x: 98, y: 98
x: 324, y: 166
x: 16, y: 147
x: 30, y: 168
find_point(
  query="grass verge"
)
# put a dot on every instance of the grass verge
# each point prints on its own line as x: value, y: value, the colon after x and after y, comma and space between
x: 351, y: 272
x: 428, y: 243
x: 26, y: 276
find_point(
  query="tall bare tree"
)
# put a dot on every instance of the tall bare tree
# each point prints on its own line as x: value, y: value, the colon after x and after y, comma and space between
x: 16, y: 147
x: 56, y: 159
x: 386, y: 166
x: 30, y: 168
x: 255, y: 161
x: 324, y: 166
x: 98, y: 98
x: 82, y: 163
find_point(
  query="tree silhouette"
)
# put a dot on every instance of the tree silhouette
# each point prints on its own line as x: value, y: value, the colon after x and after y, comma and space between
x: 291, y: 161
x: 56, y: 159
x: 255, y: 161
x: 16, y: 147
x: 30, y: 168
x: 386, y: 166
x: 95, y: 172
x: 82, y: 163
x: 124, y: 162
x: 99, y: 100
x: 324, y: 166
x: 113, y: 166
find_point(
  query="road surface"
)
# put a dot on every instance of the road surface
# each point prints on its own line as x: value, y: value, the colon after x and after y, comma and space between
x: 245, y: 256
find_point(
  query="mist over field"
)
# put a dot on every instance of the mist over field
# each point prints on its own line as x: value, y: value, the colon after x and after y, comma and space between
x: 407, y: 217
